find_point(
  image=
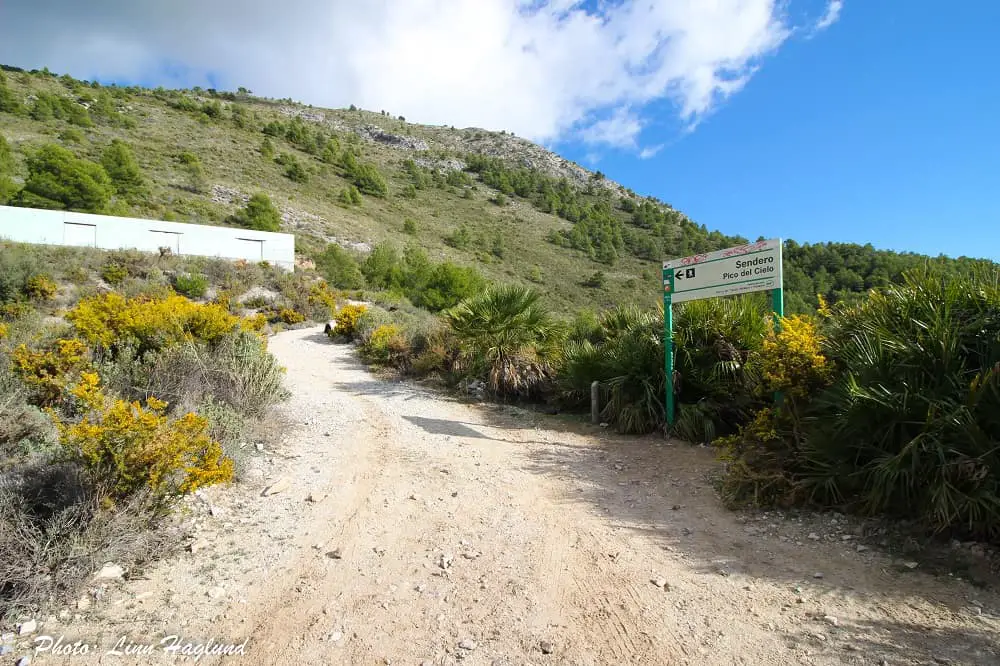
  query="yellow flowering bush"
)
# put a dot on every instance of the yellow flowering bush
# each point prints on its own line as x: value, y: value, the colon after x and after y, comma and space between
x: 321, y: 296
x: 347, y: 320
x: 48, y: 373
x: 3, y: 330
x: 41, y: 288
x: 763, y: 456
x: 129, y: 447
x: 792, y: 359
x: 290, y: 316
x: 255, y: 323
x: 14, y: 310
x: 823, y: 308
x: 150, y: 323
x: 386, y: 345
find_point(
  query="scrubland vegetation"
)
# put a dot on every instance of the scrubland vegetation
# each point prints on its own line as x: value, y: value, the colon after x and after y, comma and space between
x: 119, y: 394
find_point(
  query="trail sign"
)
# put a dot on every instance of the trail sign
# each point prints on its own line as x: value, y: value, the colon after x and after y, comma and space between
x: 736, y: 270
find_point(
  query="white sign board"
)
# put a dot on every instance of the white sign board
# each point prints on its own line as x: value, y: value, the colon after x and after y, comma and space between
x: 737, y: 270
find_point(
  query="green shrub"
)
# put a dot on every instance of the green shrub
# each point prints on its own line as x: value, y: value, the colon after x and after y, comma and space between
x: 445, y: 286
x: 267, y: 149
x: 305, y: 296
x: 17, y: 269
x: 365, y: 176
x: 114, y: 273
x: 24, y: 429
x: 212, y: 109
x: 71, y: 135
x: 121, y: 166
x: 910, y: 425
x: 410, y: 226
x: 259, y: 214
x: 339, y: 267
x: 459, y: 239
x: 382, y: 267
x: 294, y: 170
x: 194, y: 171
x: 428, y: 285
x: 274, y: 128
x: 373, y: 317
x: 586, y: 326
x: 192, y: 286
x: 7, y: 187
x: 57, y: 179
x: 438, y: 353
x: 248, y: 377
x: 713, y: 340
x: 240, y: 116
x: 9, y: 101
x: 350, y: 196
x: 42, y: 110
x: 236, y: 371
x: 595, y: 281
x: 230, y: 429
x: 105, y: 110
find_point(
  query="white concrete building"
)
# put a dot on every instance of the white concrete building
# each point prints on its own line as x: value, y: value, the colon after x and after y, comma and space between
x: 56, y: 227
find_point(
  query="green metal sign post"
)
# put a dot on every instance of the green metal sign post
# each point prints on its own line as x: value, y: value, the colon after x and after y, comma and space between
x: 668, y: 339
x: 736, y: 270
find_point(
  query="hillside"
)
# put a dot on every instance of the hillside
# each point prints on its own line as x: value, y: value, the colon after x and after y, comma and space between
x: 516, y: 211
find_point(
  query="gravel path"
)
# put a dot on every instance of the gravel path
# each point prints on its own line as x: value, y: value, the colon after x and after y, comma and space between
x: 451, y: 533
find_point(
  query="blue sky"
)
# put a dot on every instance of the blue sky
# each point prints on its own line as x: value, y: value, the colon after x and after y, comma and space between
x: 844, y: 120
x: 884, y: 128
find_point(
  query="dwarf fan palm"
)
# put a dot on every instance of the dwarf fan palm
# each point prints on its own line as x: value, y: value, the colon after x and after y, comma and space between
x: 510, y: 336
x: 912, y: 426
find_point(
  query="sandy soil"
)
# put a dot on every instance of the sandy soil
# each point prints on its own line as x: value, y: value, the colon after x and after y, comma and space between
x: 489, y: 535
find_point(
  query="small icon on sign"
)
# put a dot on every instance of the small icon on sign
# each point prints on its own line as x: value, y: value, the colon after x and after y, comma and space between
x: 666, y: 287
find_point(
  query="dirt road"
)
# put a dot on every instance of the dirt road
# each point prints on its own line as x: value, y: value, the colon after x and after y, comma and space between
x: 488, y: 535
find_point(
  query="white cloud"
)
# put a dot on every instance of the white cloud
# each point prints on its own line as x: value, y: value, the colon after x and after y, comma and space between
x: 650, y: 151
x: 545, y: 69
x: 618, y: 130
x: 831, y: 16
